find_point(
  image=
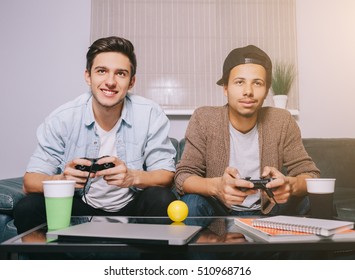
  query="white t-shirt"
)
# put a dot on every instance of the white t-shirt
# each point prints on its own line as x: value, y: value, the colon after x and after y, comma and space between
x: 244, y: 156
x: 101, y: 195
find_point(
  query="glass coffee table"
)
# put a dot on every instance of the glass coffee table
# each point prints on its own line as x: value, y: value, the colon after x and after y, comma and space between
x: 220, y: 238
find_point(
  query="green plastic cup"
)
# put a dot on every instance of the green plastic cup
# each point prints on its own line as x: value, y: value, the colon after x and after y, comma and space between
x: 58, y: 196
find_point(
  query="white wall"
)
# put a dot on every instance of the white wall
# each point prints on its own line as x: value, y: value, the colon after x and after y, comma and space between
x: 326, y: 53
x: 42, y: 60
x: 43, y: 47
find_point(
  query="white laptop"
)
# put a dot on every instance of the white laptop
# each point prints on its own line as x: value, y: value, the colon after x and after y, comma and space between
x: 127, y: 232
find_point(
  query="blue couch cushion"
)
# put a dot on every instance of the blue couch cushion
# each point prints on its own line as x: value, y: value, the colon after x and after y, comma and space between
x: 10, y: 193
x: 4, y: 220
x: 10, y: 230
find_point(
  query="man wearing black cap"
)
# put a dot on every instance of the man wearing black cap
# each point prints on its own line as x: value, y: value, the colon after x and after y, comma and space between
x: 227, y: 144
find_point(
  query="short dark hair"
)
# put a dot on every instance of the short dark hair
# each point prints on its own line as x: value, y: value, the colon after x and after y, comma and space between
x: 112, y: 44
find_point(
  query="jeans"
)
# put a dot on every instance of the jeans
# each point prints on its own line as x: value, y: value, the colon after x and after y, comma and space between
x: 208, y: 206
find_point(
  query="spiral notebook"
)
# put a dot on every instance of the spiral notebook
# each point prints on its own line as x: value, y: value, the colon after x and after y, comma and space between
x: 245, y: 226
x: 302, y: 224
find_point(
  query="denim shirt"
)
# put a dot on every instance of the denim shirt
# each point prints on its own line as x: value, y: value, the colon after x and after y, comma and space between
x: 69, y: 132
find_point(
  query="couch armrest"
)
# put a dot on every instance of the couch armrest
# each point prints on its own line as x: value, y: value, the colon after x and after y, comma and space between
x: 335, y: 157
x: 10, y: 193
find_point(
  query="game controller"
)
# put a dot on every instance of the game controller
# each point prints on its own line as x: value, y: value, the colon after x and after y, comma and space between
x: 259, y: 184
x: 94, y: 167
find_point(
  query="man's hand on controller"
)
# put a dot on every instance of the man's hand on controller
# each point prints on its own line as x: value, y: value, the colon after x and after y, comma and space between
x: 119, y: 175
x: 228, y: 190
x: 280, y: 186
x: 72, y: 173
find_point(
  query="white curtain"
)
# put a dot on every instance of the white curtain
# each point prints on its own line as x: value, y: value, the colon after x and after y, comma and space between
x: 181, y: 44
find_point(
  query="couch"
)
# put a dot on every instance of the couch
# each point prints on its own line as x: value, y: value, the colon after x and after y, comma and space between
x: 335, y: 157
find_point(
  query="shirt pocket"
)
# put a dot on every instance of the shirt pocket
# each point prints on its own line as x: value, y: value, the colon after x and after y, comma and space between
x: 137, y: 164
x: 132, y: 154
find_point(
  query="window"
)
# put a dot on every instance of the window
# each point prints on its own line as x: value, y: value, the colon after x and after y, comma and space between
x: 181, y: 44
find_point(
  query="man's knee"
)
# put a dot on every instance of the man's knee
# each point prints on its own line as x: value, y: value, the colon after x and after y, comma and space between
x: 29, y: 212
x: 198, y: 205
x: 154, y: 201
x: 163, y: 195
x: 32, y: 203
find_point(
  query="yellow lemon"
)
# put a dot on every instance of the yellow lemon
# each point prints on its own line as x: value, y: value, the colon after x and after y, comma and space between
x: 178, y: 211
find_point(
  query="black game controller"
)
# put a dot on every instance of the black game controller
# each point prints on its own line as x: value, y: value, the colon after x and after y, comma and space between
x: 94, y: 167
x: 259, y: 184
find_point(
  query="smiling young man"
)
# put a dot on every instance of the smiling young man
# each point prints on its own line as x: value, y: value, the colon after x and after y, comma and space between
x: 224, y: 145
x: 107, y: 121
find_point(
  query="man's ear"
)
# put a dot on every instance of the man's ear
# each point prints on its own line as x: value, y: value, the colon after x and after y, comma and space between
x: 87, y: 77
x: 225, y: 91
x: 132, y: 81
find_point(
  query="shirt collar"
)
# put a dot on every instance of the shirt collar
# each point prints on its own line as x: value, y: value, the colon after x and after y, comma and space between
x: 125, y: 115
x: 89, y: 112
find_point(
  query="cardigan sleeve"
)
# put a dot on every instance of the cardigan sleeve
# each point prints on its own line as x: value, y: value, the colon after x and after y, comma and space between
x: 281, y: 144
x: 193, y: 159
x: 295, y: 157
x: 206, y: 152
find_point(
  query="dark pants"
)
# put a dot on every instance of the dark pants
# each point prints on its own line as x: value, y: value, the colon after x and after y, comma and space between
x: 30, y: 211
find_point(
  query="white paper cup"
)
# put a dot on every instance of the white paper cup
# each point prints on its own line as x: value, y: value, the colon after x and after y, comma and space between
x: 321, y: 192
x: 320, y: 185
x: 58, y: 196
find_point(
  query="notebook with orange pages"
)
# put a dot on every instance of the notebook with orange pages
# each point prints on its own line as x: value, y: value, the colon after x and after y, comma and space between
x: 245, y: 225
x: 322, y: 227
